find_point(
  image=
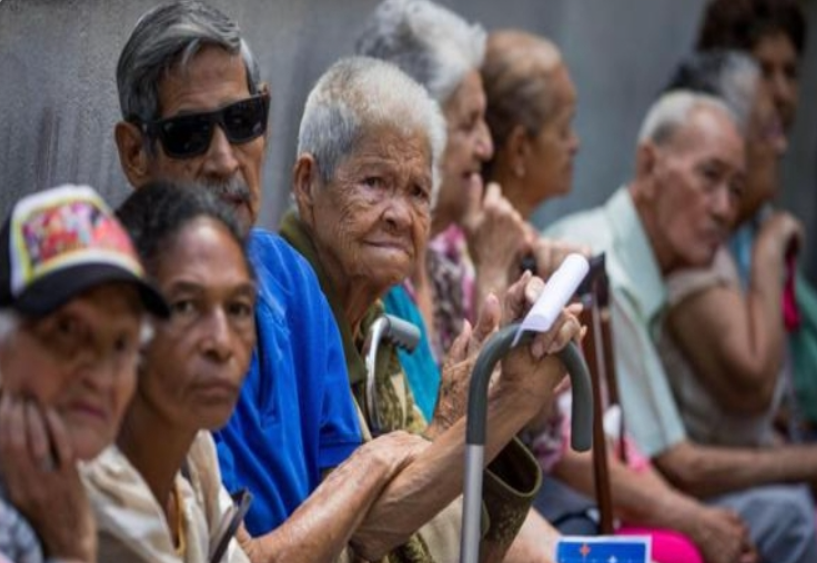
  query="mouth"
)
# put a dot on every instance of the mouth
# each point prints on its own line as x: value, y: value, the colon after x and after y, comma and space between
x: 217, y: 390
x: 88, y: 410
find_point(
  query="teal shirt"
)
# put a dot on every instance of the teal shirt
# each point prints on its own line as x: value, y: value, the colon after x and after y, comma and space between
x: 421, y: 369
x: 639, y: 299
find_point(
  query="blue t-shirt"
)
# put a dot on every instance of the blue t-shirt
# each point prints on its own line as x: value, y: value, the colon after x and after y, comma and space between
x: 421, y: 369
x: 295, y: 415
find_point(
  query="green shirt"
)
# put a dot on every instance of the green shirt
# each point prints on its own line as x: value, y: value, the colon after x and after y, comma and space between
x: 639, y: 299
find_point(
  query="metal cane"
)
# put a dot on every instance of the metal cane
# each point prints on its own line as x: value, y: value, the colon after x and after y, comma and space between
x: 494, y: 349
x: 400, y: 333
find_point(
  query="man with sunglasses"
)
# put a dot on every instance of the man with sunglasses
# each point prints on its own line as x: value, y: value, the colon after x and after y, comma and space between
x: 194, y: 111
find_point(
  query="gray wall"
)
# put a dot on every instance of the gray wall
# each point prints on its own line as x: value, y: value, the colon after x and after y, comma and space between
x: 58, y: 100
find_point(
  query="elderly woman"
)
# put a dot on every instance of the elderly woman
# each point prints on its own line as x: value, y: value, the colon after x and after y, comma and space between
x: 162, y: 500
x: 364, y: 200
x: 726, y: 338
x: 478, y: 239
x: 73, y: 301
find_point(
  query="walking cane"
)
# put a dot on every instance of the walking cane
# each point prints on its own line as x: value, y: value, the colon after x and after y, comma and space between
x: 495, y: 348
x: 402, y: 334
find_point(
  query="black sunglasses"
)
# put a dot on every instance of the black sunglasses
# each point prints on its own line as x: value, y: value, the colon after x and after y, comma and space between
x: 186, y: 136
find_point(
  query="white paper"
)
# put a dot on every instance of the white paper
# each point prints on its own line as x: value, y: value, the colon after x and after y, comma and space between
x: 557, y: 293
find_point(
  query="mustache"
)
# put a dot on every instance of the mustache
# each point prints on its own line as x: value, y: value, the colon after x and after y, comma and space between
x: 232, y: 188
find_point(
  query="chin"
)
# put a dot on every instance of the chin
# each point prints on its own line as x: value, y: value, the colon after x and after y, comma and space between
x: 86, y: 445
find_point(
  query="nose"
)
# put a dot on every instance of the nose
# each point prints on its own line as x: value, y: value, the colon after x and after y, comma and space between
x: 220, y: 159
x: 397, y: 213
x: 575, y: 142
x: 724, y: 207
x: 484, y: 144
x: 216, y: 336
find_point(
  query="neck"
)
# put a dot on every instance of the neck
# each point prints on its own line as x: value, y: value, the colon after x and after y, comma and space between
x: 661, y: 249
x: 514, y: 190
x: 356, y: 293
x: 158, y: 461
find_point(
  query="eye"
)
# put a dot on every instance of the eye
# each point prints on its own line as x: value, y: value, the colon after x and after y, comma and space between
x: 374, y: 182
x: 67, y: 326
x: 240, y: 309
x: 124, y: 343
x: 421, y: 193
x: 182, y: 308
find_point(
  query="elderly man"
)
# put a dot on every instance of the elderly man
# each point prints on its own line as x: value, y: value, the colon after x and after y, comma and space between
x: 73, y: 298
x: 674, y: 214
x: 194, y: 110
x: 364, y: 210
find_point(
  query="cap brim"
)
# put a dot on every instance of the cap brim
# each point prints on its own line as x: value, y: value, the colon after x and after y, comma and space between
x: 54, y: 290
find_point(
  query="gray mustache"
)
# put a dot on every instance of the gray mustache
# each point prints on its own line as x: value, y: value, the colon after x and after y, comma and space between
x: 233, y: 188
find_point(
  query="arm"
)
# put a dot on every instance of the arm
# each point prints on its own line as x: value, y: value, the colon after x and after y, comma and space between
x: 704, y: 471
x: 322, y: 526
x: 536, y: 542
x: 645, y: 498
x: 435, y: 478
x: 736, y: 341
x: 497, y: 239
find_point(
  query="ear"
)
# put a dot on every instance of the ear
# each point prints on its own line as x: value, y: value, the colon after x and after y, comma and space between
x: 305, y: 178
x: 518, y: 145
x: 132, y: 155
x: 647, y: 164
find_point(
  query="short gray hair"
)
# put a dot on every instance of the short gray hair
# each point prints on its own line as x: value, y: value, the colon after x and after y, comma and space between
x: 357, y: 93
x: 672, y: 111
x: 432, y: 44
x: 732, y: 76
x: 168, y: 37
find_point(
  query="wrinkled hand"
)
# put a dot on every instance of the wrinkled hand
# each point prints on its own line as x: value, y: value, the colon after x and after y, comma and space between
x: 39, y: 469
x: 550, y: 253
x: 532, y: 371
x: 392, y: 452
x: 781, y: 232
x: 723, y: 537
x: 496, y: 234
x: 452, y: 398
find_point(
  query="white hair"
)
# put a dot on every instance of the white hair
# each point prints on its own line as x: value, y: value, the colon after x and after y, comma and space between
x: 430, y: 43
x: 672, y: 111
x: 357, y: 94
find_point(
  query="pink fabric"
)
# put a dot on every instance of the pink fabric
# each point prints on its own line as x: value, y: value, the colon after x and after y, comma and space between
x: 791, y: 312
x: 667, y: 546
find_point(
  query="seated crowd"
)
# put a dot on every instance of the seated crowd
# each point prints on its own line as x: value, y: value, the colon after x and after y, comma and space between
x: 178, y: 385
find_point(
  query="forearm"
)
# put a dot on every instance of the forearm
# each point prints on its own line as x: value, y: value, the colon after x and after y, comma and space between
x: 536, y: 542
x: 434, y: 479
x: 704, y: 471
x: 323, y: 525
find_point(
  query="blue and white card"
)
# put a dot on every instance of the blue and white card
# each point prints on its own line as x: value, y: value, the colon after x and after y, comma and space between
x: 603, y: 549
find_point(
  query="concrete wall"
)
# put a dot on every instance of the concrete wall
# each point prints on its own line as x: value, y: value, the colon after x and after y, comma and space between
x: 58, y: 101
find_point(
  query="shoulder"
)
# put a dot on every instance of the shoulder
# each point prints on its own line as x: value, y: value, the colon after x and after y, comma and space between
x: 585, y: 227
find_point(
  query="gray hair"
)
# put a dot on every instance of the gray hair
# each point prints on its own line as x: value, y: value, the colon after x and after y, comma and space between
x: 732, y: 76
x: 672, y: 111
x: 430, y: 43
x: 356, y: 94
x: 168, y: 37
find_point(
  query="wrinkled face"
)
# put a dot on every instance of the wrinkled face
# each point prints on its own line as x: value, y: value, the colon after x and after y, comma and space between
x: 468, y: 144
x: 196, y: 362
x: 699, y: 176
x: 212, y: 80
x: 81, y: 361
x: 372, y: 219
x: 778, y: 60
x: 549, y: 165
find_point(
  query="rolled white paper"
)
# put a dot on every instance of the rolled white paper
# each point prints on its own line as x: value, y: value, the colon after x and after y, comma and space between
x: 557, y: 292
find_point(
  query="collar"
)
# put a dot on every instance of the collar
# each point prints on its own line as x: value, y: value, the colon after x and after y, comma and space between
x: 640, y: 277
x: 293, y: 230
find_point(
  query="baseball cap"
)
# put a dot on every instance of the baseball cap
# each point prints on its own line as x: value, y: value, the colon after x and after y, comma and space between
x: 58, y: 243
